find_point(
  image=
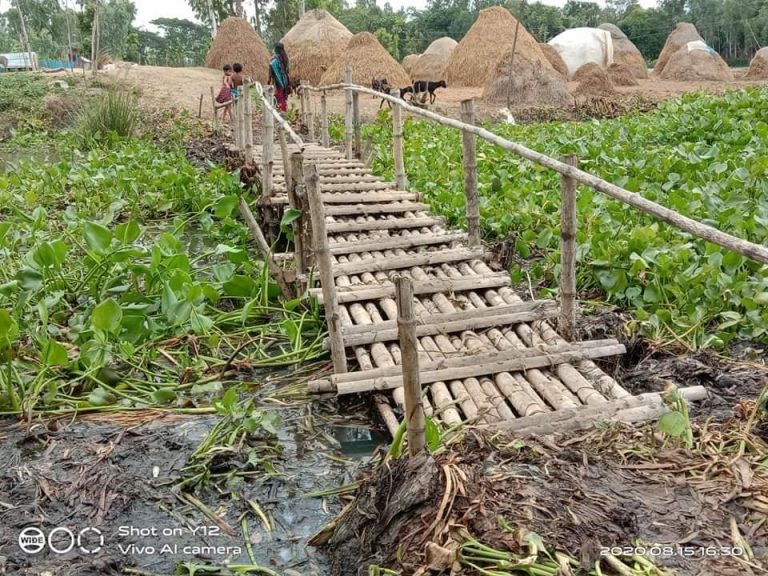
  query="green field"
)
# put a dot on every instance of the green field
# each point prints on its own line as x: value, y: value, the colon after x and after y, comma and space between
x: 703, y: 156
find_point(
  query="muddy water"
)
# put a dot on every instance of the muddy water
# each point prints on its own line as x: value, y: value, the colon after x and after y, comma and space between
x: 117, y: 477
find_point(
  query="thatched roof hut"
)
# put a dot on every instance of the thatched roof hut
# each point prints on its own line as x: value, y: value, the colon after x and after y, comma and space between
x: 368, y: 60
x: 694, y: 62
x: 476, y: 59
x: 237, y: 41
x: 758, y: 67
x: 313, y: 44
x: 409, y: 61
x: 679, y: 37
x: 431, y: 64
x: 625, y: 52
x: 554, y: 59
x: 529, y: 82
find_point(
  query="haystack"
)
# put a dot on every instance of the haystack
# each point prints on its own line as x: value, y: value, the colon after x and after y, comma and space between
x: 621, y: 75
x: 431, y: 65
x: 529, y: 82
x: 554, y: 59
x: 313, y: 44
x: 625, y: 52
x: 368, y: 60
x: 477, y: 57
x: 593, y: 81
x: 409, y: 61
x: 758, y: 68
x: 680, y: 36
x: 694, y: 62
x: 237, y: 41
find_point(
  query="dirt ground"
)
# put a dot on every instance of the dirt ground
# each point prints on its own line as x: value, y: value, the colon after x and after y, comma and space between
x: 165, y: 87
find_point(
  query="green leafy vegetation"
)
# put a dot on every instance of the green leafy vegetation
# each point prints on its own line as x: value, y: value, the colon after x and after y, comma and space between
x: 703, y: 156
x: 126, y: 283
x: 113, y: 113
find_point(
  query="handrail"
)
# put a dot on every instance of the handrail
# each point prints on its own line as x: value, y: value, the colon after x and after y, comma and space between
x: 744, y: 247
x: 282, y: 122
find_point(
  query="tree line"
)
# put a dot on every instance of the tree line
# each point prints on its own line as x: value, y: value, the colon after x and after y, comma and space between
x: 735, y: 28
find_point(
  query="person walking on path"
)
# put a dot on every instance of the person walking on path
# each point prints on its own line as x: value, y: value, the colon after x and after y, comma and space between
x: 278, y: 76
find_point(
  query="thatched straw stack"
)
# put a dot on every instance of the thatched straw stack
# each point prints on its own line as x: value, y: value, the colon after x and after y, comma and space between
x: 431, y: 65
x: 476, y: 59
x: 409, y: 61
x: 237, y: 41
x: 680, y: 36
x: 368, y: 60
x: 758, y: 68
x: 593, y: 81
x: 529, y: 82
x: 554, y: 59
x: 313, y: 44
x: 625, y: 52
x: 621, y: 75
x: 694, y: 62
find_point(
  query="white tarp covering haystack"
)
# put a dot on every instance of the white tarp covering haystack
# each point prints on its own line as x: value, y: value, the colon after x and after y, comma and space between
x: 579, y: 46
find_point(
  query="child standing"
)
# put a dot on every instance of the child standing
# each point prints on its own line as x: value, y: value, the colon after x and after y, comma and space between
x: 278, y: 76
x: 225, y: 93
x: 237, y: 80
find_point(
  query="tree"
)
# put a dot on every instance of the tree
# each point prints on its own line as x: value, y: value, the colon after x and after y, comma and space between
x: 577, y: 13
x: 648, y: 29
x: 186, y: 42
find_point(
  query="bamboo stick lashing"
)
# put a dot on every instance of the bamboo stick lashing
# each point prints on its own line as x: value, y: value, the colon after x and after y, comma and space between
x: 406, y: 325
x: 567, y: 320
x: 324, y: 263
x: 470, y: 174
x: 397, y: 142
x: 348, y: 126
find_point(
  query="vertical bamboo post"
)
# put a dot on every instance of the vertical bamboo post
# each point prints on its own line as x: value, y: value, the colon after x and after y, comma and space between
x: 237, y: 124
x: 323, y: 261
x: 268, y: 136
x: 285, y: 156
x: 470, y: 174
x: 215, y: 113
x: 241, y: 100
x: 310, y: 117
x: 325, y: 136
x: 406, y: 329
x: 248, y: 121
x: 356, y: 124
x: 567, y: 322
x: 348, y: 126
x: 295, y: 200
x: 302, y: 105
x: 397, y: 142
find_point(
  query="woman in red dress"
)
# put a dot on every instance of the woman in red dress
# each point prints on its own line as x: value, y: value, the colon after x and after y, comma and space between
x: 278, y: 76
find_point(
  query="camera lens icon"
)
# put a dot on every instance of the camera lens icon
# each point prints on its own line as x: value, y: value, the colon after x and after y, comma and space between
x: 61, y: 540
x: 32, y: 540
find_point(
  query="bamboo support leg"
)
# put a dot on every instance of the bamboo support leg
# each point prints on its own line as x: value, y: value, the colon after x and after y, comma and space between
x: 397, y: 143
x: 310, y: 117
x: 325, y: 136
x: 406, y: 322
x: 356, y: 124
x: 248, y: 104
x: 295, y: 189
x: 567, y: 321
x: 268, y: 136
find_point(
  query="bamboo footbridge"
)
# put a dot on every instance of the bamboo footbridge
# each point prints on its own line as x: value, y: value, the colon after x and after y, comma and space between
x: 416, y: 315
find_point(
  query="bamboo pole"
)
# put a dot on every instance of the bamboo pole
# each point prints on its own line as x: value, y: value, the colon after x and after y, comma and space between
x: 324, y: 262
x: 200, y: 106
x: 397, y: 142
x: 705, y: 232
x: 215, y: 113
x: 406, y: 327
x: 348, y: 126
x: 310, y: 117
x: 356, y: 125
x: 285, y: 156
x: 303, y: 104
x: 248, y: 120
x: 325, y: 138
x: 295, y: 190
x: 567, y: 321
x: 268, y: 137
x: 470, y: 174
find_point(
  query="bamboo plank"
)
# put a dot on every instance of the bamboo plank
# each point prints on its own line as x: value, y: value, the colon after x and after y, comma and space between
x: 387, y: 243
x: 494, y: 363
x: 408, y: 261
x: 365, y: 209
x: 353, y: 197
x: 388, y: 224
x: 446, y: 327
x: 362, y: 293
